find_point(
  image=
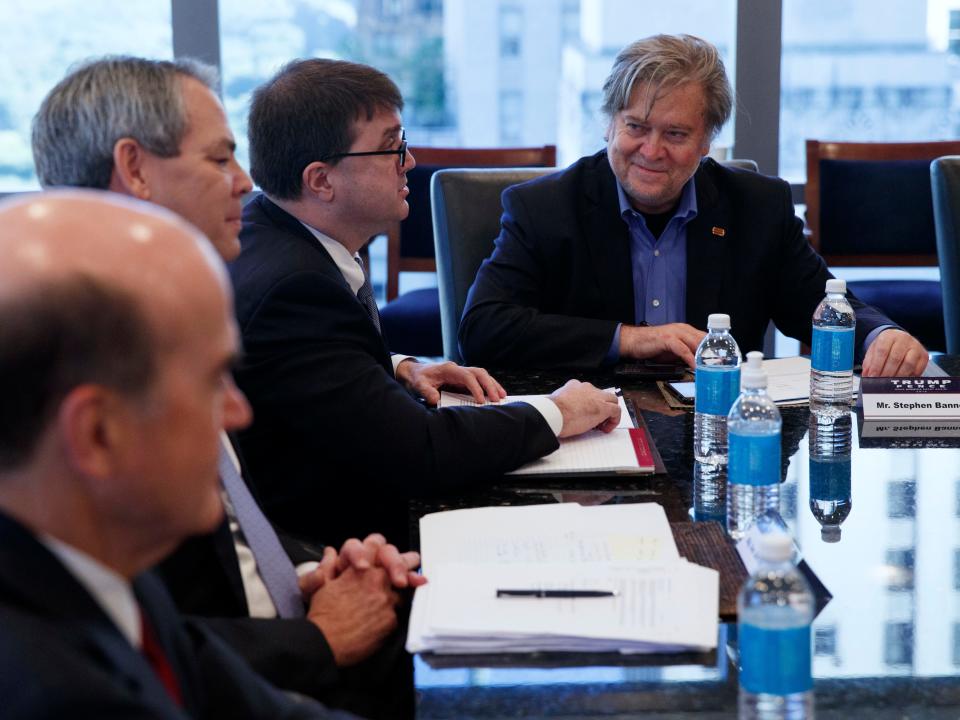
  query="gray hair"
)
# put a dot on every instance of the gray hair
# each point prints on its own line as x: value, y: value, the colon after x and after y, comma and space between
x: 664, y: 62
x: 104, y: 100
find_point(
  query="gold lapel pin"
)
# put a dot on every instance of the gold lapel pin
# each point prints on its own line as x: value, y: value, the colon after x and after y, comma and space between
x: 718, y: 231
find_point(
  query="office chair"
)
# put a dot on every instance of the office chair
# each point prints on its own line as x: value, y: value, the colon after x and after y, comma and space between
x: 945, y: 185
x: 870, y: 204
x: 412, y: 322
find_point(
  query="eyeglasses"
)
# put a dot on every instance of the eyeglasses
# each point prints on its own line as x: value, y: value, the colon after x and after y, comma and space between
x: 400, y: 152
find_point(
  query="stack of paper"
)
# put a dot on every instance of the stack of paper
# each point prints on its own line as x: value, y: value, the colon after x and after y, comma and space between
x: 626, y: 450
x: 661, y: 603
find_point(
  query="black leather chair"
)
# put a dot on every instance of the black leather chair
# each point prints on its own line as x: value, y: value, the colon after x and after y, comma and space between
x: 411, y: 322
x: 945, y: 184
x: 466, y: 221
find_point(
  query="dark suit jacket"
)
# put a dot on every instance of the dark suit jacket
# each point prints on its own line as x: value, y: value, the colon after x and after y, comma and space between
x: 203, y: 576
x: 61, y: 656
x: 342, y: 443
x: 559, y: 279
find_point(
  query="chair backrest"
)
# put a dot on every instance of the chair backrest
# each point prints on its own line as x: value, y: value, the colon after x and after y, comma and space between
x: 742, y: 163
x: 945, y: 182
x: 410, y: 243
x: 870, y: 203
x: 466, y: 221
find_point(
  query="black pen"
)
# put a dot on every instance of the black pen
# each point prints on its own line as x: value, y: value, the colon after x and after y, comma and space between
x: 556, y: 593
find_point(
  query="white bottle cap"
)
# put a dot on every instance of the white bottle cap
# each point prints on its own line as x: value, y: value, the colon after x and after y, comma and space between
x: 775, y: 547
x: 718, y: 321
x: 753, y: 374
x: 836, y: 285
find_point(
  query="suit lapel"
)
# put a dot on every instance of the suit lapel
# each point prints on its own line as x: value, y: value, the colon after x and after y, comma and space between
x: 608, y: 242
x: 32, y: 578
x: 282, y: 219
x: 708, y: 235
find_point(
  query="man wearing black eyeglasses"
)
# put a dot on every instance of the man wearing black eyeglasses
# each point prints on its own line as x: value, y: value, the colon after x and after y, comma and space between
x: 336, y: 419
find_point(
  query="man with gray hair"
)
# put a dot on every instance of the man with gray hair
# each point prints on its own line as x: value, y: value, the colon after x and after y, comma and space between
x: 155, y: 130
x: 624, y: 254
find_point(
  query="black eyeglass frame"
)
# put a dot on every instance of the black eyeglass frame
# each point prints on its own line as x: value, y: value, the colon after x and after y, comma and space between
x: 400, y: 152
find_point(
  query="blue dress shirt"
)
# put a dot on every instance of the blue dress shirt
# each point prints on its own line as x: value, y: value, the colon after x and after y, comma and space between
x: 659, y: 265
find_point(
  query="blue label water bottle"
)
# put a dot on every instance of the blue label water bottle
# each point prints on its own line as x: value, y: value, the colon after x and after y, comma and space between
x: 718, y: 384
x: 753, y: 473
x: 774, y: 612
x: 831, y: 355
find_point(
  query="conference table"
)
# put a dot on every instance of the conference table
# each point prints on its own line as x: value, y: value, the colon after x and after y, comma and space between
x: 876, y: 518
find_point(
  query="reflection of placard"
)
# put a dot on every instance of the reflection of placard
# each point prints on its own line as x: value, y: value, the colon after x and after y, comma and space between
x: 911, y: 398
x: 911, y: 428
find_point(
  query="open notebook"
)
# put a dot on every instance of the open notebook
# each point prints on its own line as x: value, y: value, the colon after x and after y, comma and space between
x: 626, y: 450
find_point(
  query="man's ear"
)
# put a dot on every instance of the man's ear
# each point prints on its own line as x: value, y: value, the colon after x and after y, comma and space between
x: 91, y: 423
x: 129, y: 174
x: 316, y: 181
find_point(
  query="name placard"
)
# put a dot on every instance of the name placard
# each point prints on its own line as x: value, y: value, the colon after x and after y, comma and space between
x: 917, y: 398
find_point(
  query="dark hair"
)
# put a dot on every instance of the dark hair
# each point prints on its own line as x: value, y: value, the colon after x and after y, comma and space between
x: 60, y: 335
x: 99, y: 102
x: 307, y: 112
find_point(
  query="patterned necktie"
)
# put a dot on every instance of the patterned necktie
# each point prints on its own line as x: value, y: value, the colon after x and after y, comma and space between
x: 365, y: 296
x: 151, y: 649
x: 273, y: 563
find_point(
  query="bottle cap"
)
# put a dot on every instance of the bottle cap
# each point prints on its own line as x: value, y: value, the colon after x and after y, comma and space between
x: 753, y: 374
x: 718, y: 321
x: 830, y: 533
x: 836, y: 285
x: 775, y: 547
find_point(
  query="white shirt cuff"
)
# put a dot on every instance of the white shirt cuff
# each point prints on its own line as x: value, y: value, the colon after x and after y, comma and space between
x: 551, y: 413
x: 305, y: 568
x: 397, y: 358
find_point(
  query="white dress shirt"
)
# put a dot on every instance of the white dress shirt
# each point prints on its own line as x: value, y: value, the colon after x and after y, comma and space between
x: 110, y: 589
x: 352, y: 272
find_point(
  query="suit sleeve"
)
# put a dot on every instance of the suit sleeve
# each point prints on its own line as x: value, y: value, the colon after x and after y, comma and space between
x: 233, y: 689
x: 801, y: 285
x: 513, y: 318
x: 292, y: 654
x: 312, y: 368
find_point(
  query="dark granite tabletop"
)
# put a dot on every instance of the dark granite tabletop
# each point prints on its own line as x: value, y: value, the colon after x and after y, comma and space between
x: 879, y: 526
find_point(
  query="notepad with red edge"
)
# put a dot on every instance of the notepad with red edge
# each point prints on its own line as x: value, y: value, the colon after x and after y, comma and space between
x: 626, y: 450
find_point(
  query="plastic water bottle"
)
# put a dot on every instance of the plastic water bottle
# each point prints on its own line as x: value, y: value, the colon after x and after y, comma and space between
x: 830, y: 493
x: 831, y: 357
x: 718, y: 384
x: 709, y: 492
x: 753, y: 474
x: 774, y: 610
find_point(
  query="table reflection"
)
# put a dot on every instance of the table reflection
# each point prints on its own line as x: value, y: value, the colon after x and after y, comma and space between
x: 889, y: 638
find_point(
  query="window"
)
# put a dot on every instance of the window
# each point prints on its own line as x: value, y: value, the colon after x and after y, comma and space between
x: 511, y: 117
x: 901, y: 499
x: 825, y: 641
x: 42, y: 39
x: 867, y: 75
x: 511, y: 31
x: 900, y: 569
x: 898, y: 643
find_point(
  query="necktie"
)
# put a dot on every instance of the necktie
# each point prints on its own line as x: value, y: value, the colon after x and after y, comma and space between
x: 273, y: 562
x: 365, y: 296
x: 157, y: 658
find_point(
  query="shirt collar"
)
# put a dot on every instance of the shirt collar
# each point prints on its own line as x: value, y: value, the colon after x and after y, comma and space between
x: 111, y: 591
x: 686, y: 209
x: 346, y: 263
